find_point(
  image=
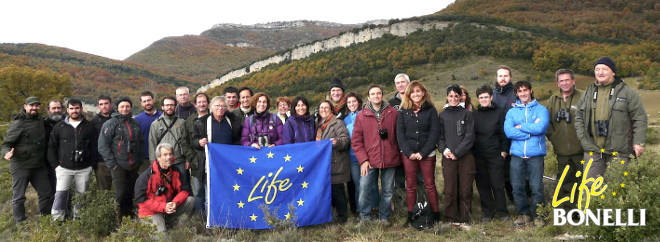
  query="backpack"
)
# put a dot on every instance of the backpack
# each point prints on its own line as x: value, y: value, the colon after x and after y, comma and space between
x: 422, y: 215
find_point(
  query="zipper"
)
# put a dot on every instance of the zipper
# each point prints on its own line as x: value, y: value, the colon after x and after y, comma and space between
x: 525, y: 144
x: 130, y: 137
x: 382, y: 156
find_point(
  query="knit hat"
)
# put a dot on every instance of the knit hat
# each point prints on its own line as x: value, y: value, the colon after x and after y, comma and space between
x: 123, y: 99
x: 32, y: 100
x: 335, y: 82
x: 608, y: 62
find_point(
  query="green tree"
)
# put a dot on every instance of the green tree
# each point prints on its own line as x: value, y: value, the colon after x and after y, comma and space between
x: 19, y: 83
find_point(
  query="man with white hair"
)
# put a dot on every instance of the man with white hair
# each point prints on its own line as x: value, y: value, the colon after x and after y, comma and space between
x: 401, y: 81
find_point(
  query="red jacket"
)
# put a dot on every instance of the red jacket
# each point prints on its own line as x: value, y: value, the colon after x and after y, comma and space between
x: 366, y: 141
x: 147, y: 185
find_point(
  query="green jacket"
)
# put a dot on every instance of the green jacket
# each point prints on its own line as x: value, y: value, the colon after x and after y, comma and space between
x: 175, y: 137
x: 27, y: 135
x: 627, y: 120
x: 562, y: 134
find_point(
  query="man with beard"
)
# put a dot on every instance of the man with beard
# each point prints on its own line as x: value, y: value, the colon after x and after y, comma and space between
x: 120, y: 144
x: 145, y: 119
x: 201, y: 101
x: 245, y: 109
x: 184, y: 107
x: 54, y: 116
x: 231, y: 95
x: 68, y: 150
x: 169, y: 128
x: 103, y: 174
x: 25, y: 146
x: 504, y: 97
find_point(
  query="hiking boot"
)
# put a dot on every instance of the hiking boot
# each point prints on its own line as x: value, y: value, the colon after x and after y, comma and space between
x: 522, y: 220
x: 408, y: 221
x: 538, y: 222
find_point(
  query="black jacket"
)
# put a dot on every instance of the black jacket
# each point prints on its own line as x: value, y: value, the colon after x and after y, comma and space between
x: 64, y: 140
x: 504, y: 97
x: 97, y: 122
x: 395, y: 101
x: 457, y: 133
x: 200, y: 132
x: 418, y: 133
x: 27, y: 136
x: 490, y: 139
x: 120, y: 142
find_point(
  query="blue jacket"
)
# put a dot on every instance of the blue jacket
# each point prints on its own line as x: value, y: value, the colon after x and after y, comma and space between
x: 349, y: 121
x: 529, y: 140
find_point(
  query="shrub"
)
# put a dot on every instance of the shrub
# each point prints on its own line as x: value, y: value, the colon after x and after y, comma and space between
x: 97, y: 213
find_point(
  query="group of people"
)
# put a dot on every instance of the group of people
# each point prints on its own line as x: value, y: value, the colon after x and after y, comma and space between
x: 157, y: 158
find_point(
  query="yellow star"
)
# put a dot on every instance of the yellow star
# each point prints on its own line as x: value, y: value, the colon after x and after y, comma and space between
x: 253, y: 217
x: 300, y: 202
x: 602, y: 196
x: 304, y: 184
x: 613, y: 193
x: 614, y: 153
x: 287, y: 158
x: 625, y: 173
x: 253, y: 160
x: 240, y: 204
x: 288, y: 216
x: 270, y: 154
x: 582, y: 162
x: 236, y: 187
x: 622, y: 162
x: 623, y: 185
x: 591, y: 153
x: 300, y: 168
x: 239, y: 171
x: 602, y: 150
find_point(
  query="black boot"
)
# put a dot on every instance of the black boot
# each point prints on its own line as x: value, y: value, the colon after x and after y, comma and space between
x: 436, y: 217
x: 408, y: 221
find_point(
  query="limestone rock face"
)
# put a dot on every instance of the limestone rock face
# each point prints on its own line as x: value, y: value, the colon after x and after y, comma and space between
x: 344, y: 40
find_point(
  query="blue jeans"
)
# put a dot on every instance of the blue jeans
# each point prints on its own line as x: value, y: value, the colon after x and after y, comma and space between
x: 198, y: 193
x: 527, y: 167
x: 355, y: 174
x: 366, y: 199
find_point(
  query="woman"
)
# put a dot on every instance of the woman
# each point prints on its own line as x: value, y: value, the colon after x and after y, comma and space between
x: 261, y: 128
x: 417, y: 132
x: 300, y: 126
x: 354, y: 105
x: 458, y: 168
x: 283, y: 108
x: 330, y: 127
x: 491, y: 147
x: 466, y: 100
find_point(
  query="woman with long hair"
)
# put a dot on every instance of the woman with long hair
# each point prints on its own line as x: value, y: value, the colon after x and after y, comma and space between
x: 299, y: 127
x: 261, y: 128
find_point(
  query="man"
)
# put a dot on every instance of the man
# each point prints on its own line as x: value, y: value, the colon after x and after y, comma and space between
x: 525, y: 124
x: 561, y: 132
x: 161, y: 193
x: 231, y: 95
x: 120, y: 145
x: 145, y: 119
x: 25, y: 148
x: 376, y: 148
x: 201, y: 101
x: 401, y: 81
x: 170, y: 129
x: 69, y: 152
x: 184, y: 107
x: 504, y: 98
x: 54, y: 116
x: 337, y: 98
x: 103, y: 174
x: 244, y: 110
x: 611, y: 121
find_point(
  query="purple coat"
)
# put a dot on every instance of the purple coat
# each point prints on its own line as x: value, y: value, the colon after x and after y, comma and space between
x: 298, y: 129
x: 268, y: 124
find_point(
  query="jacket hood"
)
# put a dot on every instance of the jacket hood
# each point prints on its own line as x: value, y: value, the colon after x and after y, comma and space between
x: 23, y: 115
x: 530, y: 104
x: 120, y: 116
x: 65, y: 119
x: 507, y: 88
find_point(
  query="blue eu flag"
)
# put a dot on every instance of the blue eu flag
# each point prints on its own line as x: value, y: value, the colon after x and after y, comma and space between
x: 241, y: 179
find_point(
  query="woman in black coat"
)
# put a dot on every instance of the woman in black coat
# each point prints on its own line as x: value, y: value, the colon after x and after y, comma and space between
x: 418, y: 129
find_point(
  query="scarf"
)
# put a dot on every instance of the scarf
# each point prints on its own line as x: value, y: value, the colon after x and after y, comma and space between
x: 337, y: 106
x: 324, y: 124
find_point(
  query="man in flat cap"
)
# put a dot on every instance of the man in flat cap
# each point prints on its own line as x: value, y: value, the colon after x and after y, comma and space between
x: 25, y: 148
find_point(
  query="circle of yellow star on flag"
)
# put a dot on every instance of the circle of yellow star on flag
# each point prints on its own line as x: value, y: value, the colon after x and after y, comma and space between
x: 300, y: 168
x: 591, y: 153
x: 287, y: 158
x: 582, y: 162
x: 288, y: 216
x: 253, y: 217
x: 625, y: 173
x: 602, y: 196
x: 239, y: 171
x: 304, y: 184
x: 300, y: 202
x: 253, y: 160
x: 623, y: 162
x: 240, y: 204
x: 270, y: 154
x: 614, y: 153
x: 623, y: 185
x: 613, y: 193
x: 236, y: 187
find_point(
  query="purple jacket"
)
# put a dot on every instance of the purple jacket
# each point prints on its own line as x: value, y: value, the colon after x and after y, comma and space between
x: 257, y: 125
x: 298, y: 129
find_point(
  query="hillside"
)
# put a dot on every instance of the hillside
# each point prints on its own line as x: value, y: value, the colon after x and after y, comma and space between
x: 197, y: 57
x: 228, y: 46
x: 93, y: 75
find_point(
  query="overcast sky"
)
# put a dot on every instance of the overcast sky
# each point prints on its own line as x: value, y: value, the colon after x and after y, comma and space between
x: 118, y: 28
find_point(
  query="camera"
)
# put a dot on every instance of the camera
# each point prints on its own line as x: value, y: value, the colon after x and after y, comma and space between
x: 382, y: 133
x: 160, y: 190
x: 601, y: 127
x: 564, y: 114
x: 263, y: 140
x: 132, y: 146
x: 77, y: 156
